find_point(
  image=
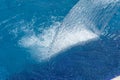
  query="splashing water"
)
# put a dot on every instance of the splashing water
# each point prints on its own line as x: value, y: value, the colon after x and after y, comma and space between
x: 79, y: 25
x: 88, y: 20
x: 84, y: 22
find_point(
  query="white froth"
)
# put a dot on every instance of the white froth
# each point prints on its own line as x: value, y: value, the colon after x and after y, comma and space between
x: 77, y: 27
x: 116, y: 78
x: 41, y: 45
x: 69, y: 38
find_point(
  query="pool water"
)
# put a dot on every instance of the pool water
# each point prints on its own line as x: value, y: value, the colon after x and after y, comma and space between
x: 59, y: 39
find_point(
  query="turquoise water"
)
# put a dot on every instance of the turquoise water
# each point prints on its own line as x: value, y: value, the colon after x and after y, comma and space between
x: 59, y: 39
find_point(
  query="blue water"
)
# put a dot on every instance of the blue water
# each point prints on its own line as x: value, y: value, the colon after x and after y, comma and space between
x: 28, y: 27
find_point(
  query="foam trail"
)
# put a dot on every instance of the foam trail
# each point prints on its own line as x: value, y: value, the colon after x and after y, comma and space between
x: 84, y: 22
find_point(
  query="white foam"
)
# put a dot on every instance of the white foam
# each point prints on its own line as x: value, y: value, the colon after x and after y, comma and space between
x: 68, y: 38
x: 39, y: 44
x: 116, y: 78
x: 77, y: 27
x: 42, y: 48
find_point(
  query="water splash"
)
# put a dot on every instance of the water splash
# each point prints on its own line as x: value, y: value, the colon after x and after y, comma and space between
x: 83, y: 23
x: 38, y: 44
